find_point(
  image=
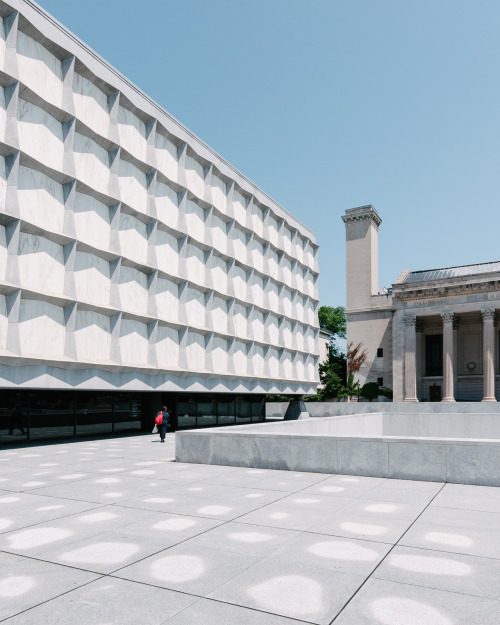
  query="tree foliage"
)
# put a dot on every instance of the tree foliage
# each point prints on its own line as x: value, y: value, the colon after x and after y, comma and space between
x: 333, y: 320
x: 356, y: 357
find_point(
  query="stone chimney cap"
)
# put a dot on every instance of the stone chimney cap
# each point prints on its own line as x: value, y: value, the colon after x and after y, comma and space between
x: 362, y: 212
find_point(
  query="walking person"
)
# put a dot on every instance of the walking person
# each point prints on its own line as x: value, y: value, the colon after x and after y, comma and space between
x: 16, y: 420
x: 162, y: 420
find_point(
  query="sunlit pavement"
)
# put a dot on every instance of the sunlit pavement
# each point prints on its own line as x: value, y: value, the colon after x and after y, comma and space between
x: 114, y: 531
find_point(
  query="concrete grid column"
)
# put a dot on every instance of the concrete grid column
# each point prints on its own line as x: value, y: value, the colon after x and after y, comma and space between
x: 488, y: 315
x: 419, y: 327
x: 448, y: 377
x: 410, y: 394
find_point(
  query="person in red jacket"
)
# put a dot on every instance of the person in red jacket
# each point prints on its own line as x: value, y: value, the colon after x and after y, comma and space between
x: 162, y: 421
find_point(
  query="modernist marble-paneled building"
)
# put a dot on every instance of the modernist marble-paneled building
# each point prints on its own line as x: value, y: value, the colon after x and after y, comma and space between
x: 431, y: 336
x: 133, y: 258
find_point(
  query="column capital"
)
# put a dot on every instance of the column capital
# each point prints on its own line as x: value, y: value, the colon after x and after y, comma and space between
x: 410, y: 320
x: 419, y: 326
x: 488, y: 314
x: 447, y: 317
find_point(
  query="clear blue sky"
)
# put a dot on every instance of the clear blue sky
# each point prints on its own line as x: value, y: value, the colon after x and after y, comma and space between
x: 331, y: 104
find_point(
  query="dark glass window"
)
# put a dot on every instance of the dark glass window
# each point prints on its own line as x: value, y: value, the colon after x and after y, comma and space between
x: 434, y: 354
x: 127, y: 411
x: 186, y: 413
x: 226, y: 411
x: 243, y: 410
x: 380, y: 381
x: 13, y: 417
x: 94, y: 413
x: 380, y: 352
x: 206, y: 412
x: 52, y: 414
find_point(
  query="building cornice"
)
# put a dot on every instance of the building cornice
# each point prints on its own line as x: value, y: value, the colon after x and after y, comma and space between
x: 362, y: 213
x: 447, y: 290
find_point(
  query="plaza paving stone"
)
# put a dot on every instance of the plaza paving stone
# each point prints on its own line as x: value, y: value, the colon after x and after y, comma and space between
x: 114, y: 531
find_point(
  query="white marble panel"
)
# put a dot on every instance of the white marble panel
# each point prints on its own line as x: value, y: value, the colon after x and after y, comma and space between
x: 195, y: 351
x: 3, y: 322
x: 299, y: 249
x: 91, y: 163
x: 91, y: 104
x: 312, y: 374
x: 195, y: 307
x: 195, y: 220
x: 41, y: 329
x: 286, y: 267
x: 3, y: 252
x: 133, y: 290
x: 287, y: 240
x: 273, y: 229
x: 133, y: 238
x: 286, y: 300
x: 273, y: 329
x: 273, y: 296
x: 239, y: 239
x: 219, y: 197
x: 41, y: 199
x: 132, y: 133
x: 240, y: 358
x: 287, y: 367
x: 219, y: 354
x: 92, y: 279
x: 39, y: 69
x: 195, y: 176
x: 133, y: 186
x: 219, y: 314
x: 167, y: 207
x: 195, y: 264
x: 167, y: 300
x: 133, y: 342
x: 166, y: 157
x: 218, y: 272
x: 91, y: 221
x: 41, y: 264
x: 258, y: 360
x: 273, y: 264
x: 257, y: 251
x: 257, y: 288
x: 274, y: 362
x: 2, y: 43
x: 40, y: 135
x: 3, y: 112
x: 239, y: 207
x: 287, y: 334
x: 219, y: 234
x: 257, y: 220
x: 257, y: 326
x: 240, y: 320
x: 167, y: 347
x: 92, y: 336
x: 300, y: 366
x: 297, y: 339
x: 167, y: 252
x: 240, y: 282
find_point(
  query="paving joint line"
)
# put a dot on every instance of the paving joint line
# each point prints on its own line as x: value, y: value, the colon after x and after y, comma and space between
x: 385, y: 557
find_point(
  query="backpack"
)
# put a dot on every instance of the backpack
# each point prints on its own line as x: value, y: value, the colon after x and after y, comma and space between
x: 159, y: 418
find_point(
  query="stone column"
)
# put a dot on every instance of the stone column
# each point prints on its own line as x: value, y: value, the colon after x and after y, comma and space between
x: 448, y: 394
x: 410, y: 358
x: 488, y: 315
x: 419, y: 355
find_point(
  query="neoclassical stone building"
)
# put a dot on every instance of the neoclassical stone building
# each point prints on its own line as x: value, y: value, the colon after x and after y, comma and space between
x: 432, y: 336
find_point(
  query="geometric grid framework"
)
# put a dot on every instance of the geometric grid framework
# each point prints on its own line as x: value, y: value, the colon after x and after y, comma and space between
x: 127, y: 246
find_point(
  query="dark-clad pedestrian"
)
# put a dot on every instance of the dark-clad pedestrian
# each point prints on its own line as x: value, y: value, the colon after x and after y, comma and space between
x: 165, y: 420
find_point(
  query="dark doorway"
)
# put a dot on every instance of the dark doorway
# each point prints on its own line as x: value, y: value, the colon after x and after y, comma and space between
x: 435, y: 393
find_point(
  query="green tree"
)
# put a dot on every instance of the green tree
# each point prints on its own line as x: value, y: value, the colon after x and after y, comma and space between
x: 333, y: 320
x: 350, y: 389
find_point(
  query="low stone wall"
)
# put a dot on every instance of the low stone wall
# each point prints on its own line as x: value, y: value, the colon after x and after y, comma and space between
x: 305, y: 446
x: 336, y: 408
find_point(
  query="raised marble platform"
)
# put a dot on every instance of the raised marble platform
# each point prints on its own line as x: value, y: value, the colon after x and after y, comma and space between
x: 458, y: 448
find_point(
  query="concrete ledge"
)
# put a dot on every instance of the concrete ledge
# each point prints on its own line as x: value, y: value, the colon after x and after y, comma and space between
x: 302, y: 446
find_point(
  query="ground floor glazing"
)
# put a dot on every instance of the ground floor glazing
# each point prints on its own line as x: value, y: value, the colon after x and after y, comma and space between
x: 31, y: 415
